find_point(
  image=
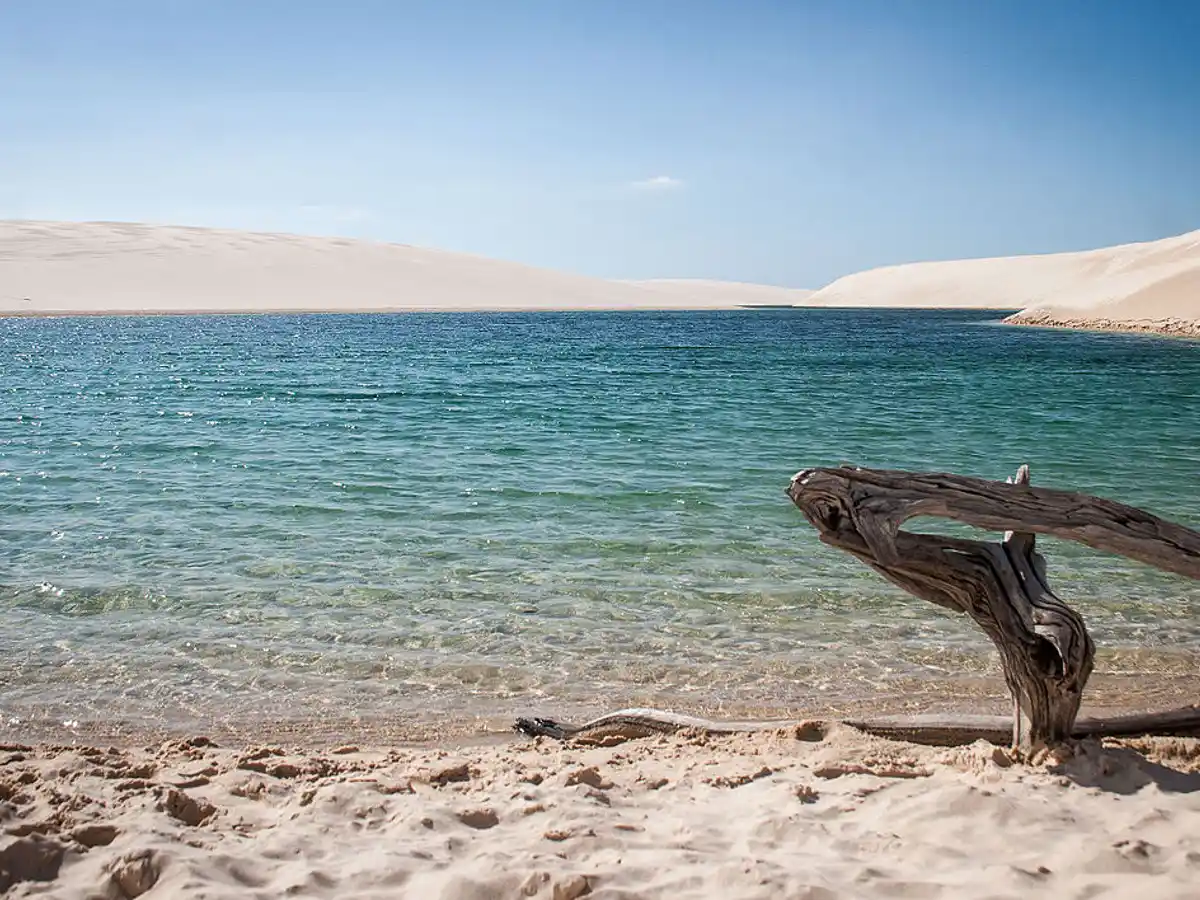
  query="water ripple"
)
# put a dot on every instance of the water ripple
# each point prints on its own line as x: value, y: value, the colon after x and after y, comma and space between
x: 273, y: 515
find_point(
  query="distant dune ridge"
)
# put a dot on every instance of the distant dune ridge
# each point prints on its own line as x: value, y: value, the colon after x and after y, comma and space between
x: 52, y: 267
x: 721, y: 292
x: 49, y: 268
x: 1152, y: 286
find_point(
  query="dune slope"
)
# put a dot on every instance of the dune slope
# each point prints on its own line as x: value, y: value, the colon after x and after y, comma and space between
x: 97, y: 267
x: 107, y: 267
x: 1153, y: 283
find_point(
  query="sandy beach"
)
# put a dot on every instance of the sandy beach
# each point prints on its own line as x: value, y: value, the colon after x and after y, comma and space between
x: 797, y: 813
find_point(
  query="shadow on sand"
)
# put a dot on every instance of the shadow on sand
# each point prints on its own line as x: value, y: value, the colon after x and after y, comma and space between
x: 1122, y: 766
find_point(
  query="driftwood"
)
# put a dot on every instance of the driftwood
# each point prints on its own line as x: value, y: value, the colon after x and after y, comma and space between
x: 937, y: 730
x: 1045, y: 650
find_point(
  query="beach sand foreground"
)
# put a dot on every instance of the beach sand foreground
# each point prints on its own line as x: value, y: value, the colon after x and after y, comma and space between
x: 789, y: 814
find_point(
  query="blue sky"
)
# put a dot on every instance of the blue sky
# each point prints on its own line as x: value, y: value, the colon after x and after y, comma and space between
x: 785, y: 142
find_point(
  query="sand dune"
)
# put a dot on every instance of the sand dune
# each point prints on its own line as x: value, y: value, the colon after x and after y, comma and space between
x: 1153, y: 283
x: 788, y: 814
x: 59, y: 267
x: 1167, y: 305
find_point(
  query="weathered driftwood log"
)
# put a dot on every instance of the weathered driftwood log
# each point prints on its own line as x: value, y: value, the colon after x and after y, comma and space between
x: 938, y: 730
x: 1044, y: 646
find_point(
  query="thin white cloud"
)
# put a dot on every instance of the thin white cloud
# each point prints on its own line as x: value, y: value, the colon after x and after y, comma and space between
x: 658, y: 183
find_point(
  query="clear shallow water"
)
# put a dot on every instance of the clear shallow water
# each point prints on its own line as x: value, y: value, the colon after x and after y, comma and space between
x: 240, y: 519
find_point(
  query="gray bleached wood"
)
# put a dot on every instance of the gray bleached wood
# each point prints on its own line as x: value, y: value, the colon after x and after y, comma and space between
x: 890, y: 498
x: 1045, y: 650
x: 924, y: 728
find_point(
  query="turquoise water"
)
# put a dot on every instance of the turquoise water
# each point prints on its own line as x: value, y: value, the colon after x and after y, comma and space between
x: 229, y: 520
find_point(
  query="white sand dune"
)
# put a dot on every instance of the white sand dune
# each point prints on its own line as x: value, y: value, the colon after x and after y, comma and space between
x: 737, y: 818
x: 1155, y: 283
x: 96, y: 267
x: 99, y: 267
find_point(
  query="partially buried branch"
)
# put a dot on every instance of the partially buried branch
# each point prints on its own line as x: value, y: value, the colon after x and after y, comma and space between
x: 1044, y: 646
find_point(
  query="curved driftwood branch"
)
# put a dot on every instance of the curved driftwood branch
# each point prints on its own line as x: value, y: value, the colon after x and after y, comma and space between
x: 889, y: 498
x: 938, y: 730
x: 1044, y: 646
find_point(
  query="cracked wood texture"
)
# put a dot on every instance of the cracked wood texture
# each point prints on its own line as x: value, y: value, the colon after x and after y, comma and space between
x: 1045, y: 650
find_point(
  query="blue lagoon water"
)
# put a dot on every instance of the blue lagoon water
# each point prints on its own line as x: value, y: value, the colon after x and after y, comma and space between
x: 213, y: 522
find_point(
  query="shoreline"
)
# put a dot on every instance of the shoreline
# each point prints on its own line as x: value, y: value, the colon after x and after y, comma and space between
x: 1173, y: 327
x: 1109, y: 694
x: 460, y: 310
x: 365, y: 311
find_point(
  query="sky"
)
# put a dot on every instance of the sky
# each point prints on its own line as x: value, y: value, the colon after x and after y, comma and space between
x: 777, y: 142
